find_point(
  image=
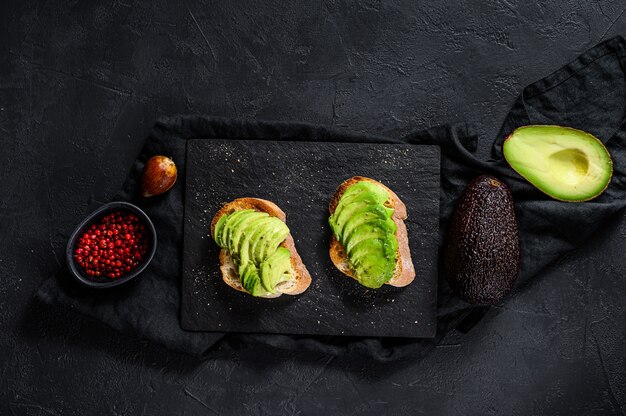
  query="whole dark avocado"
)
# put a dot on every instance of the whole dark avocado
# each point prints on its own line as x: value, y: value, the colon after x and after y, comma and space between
x: 482, y: 254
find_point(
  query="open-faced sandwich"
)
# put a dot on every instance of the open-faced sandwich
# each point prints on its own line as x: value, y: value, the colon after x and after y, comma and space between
x: 370, y: 242
x: 258, y: 253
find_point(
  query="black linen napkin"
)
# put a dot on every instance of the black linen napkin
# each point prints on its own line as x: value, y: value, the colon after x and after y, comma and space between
x: 589, y: 94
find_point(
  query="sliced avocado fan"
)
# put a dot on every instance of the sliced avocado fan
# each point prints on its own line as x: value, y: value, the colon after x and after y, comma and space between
x: 363, y: 224
x: 566, y: 164
x: 253, y: 239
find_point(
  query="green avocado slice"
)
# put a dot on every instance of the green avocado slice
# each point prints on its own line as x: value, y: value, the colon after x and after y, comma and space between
x: 252, y: 238
x: 230, y: 224
x: 385, y: 248
x: 377, y: 229
x: 272, y: 241
x: 276, y: 269
x: 242, y: 227
x: 364, y: 226
x: 356, y: 191
x: 253, y: 226
x: 374, y: 212
x: 217, y: 232
x: 250, y: 280
x: 371, y: 262
x: 360, y: 203
x: 254, y: 234
x: 566, y: 164
x: 221, y: 230
x: 263, y: 239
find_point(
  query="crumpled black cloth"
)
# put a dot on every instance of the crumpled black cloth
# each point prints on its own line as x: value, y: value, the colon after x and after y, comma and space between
x: 588, y: 93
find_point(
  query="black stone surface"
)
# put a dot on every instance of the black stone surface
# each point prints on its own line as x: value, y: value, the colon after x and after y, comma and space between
x: 301, y: 177
x: 81, y: 84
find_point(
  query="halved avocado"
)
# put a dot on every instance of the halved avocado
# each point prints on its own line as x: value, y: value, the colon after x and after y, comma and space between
x: 565, y: 163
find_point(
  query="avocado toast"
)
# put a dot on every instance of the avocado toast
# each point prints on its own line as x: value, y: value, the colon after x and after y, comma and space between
x: 370, y: 241
x: 258, y: 253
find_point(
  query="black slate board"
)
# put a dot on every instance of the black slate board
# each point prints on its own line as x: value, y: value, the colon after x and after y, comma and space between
x: 300, y: 177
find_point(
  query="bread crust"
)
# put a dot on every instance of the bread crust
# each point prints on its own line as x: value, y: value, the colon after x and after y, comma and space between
x: 302, y: 278
x: 404, y: 273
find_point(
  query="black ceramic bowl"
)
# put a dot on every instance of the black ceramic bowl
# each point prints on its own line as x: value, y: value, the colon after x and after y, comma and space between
x: 103, y: 282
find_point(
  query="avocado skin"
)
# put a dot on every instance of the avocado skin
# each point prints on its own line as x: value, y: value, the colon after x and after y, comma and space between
x: 482, y: 255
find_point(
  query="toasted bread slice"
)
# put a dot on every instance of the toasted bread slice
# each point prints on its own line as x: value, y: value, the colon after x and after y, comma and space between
x: 404, y: 273
x: 301, y: 279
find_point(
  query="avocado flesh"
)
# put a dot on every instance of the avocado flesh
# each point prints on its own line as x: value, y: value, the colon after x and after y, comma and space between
x: 357, y: 202
x: 355, y: 191
x: 253, y: 239
x: 271, y: 240
x: 251, y: 280
x: 358, y: 205
x: 230, y: 223
x: 375, y: 229
x: 262, y: 239
x: 244, y: 228
x: 276, y: 269
x: 364, y: 226
x: 372, y: 260
x: 564, y: 163
x: 218, y: 227
x: 252, y: 227
x: 373, y: 213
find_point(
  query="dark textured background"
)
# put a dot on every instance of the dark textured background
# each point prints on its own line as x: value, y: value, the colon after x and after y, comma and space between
x: 81, y: 84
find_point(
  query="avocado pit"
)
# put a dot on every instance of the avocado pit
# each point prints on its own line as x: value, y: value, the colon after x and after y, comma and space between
x: 569, y: 165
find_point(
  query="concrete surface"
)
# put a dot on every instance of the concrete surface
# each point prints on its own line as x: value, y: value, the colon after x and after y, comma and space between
x: 81, y: 84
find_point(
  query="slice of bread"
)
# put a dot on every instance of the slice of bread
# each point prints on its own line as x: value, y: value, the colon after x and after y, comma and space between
x: 404, y: 273
x: 301, y: 279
